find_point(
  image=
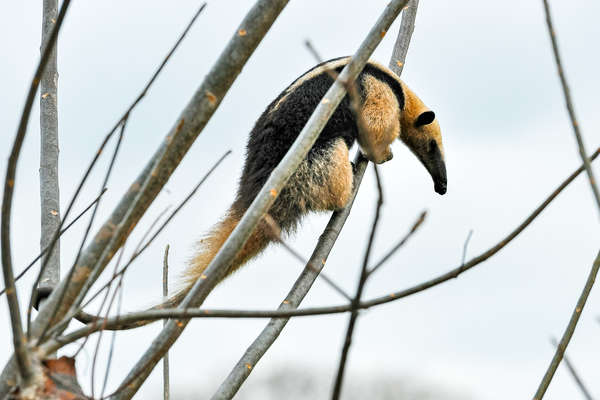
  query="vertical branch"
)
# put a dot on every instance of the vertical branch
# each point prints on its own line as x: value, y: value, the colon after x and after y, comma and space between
x: 364, y: 275
x: 566, y: 338
x: 570, y: 107
x: 165, y: 293
x: 49, y: 188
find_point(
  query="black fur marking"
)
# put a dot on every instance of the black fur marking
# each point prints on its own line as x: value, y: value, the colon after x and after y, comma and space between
x: 278, y: 127
x: 425, y: 118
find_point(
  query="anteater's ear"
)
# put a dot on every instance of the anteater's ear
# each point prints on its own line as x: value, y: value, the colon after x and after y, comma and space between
x: 425, y: 118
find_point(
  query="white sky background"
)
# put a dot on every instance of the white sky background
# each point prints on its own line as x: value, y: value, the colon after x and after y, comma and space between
x: 486, y: 68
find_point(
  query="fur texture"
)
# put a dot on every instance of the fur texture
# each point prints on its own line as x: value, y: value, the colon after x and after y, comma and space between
x: 390, y: 110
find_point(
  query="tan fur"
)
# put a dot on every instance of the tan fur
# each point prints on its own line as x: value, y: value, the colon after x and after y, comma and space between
x: 208, y: 247
x: 417, y: 138
x: 338, y: 175
x: 324, y: 184
x: 380, y: 120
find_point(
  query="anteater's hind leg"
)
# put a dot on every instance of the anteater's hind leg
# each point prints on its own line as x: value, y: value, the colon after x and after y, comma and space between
x: 322, y: 182
x: 331, y: 185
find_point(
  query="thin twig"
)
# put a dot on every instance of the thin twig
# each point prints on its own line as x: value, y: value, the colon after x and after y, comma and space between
x: 570, y: 107
x: 112, y: 343
x: 573, y: 372
x: 364, y: 275
x: 36, y: 259
x: 401, y: 243
x: 466, y: 246
x: 86, y: 318
x: 217, y: 268
x: 276, y: 234
x: 288, y: 308
x: 19, y: 341
x: 49, y: 187
x: 97, y: 348
x: 566, y: 337
x: 165, y: 293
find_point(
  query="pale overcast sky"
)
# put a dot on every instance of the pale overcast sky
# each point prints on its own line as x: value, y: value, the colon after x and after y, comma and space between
x: 485, y: 67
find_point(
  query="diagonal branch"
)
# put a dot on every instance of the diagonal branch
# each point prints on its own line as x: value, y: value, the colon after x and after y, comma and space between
x: 584, y: 391
x: 400, y: 244
x: 409, y: 15
x: 63, y: 230
x: 569, y: 330
x: 570, y: 107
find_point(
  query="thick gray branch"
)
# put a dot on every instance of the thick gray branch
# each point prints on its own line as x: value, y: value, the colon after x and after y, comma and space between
x: 407, y: 27
x: 49, y: 188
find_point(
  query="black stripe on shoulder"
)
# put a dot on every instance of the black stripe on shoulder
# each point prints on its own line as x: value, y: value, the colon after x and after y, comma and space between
x: 392, y: 81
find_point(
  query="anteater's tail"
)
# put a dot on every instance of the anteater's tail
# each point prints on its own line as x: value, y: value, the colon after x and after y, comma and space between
x: 211, y: 243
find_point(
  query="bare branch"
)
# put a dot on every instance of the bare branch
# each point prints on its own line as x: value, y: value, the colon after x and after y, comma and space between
x: 466, y: 246
x: 364, y: 275
x: 49, y: 188
x: 165, y: 293
x: 21, y: 353
x: 409, y: 15
x: 36, y: 259
x: 574, y: 373
x: 566, y: 338
x: 276, y: 234
x: 71, y: 273
x: 401, y: 243
x: 112, y: 345
x: 570, y: 107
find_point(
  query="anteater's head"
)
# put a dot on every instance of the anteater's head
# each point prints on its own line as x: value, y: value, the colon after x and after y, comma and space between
x: 420, y: 131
